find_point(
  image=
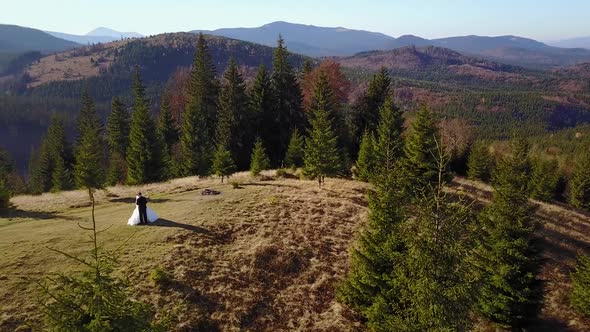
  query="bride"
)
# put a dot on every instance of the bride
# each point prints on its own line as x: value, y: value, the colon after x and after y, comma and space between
x: 134, y: 220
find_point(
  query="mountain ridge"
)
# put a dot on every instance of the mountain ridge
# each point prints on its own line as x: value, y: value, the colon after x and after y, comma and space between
x: 338, y: 41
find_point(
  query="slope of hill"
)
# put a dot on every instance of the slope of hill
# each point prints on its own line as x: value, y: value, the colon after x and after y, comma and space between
x: 15, y: 39
x: 109, y: 66
x: 322, y: 41
x: 266, y: 257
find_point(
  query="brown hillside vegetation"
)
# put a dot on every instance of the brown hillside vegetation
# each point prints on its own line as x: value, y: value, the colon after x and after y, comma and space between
x: 265, y: 257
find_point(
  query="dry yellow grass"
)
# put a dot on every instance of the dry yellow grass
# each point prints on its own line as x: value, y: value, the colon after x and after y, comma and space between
x: 72, y: 65
x: 265, y: 257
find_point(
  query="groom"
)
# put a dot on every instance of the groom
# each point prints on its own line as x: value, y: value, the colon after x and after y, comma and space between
x: 141, y: 203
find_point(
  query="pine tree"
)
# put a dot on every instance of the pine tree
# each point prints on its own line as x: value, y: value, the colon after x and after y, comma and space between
x: 389, y: 144
x: 60, y: 155
x: 544, y: 180
x: 322, y: 157
x: 223, y: 164
x: 365, y: 113
x: 579, y: 193
x: 88, y: 117
x: 419, y: 165
x: 287, y: 98
x: 146, y: 157
x: 118, y: 124
x: 366, y: 161
x: 306, y: 68
x: 295, y: 151
x: 259, y: 160
x: 88, y: 170
x: 480, y: 163
x: 167, y: 125
x: 232, y: 118
x: 198, y: 121
x: 580, y: 294
x: 504, y: 250
x: 262, y: 109
x: 380, y: 248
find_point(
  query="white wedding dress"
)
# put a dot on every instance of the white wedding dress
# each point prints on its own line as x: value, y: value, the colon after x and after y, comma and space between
x: 134, y: 220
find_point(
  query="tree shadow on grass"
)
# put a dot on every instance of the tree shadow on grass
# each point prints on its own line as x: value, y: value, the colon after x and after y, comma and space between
x: 42, y: 215
x: 169, y: 223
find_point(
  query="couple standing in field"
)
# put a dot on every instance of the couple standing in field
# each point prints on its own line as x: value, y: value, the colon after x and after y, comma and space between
x: 142, y: 215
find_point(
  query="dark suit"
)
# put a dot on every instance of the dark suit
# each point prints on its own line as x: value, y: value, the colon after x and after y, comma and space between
x: 141, y: 203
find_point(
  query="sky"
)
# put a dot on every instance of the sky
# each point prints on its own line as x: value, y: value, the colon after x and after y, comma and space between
x: 545, y: 20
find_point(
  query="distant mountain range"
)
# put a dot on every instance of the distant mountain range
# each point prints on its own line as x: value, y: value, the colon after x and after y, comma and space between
x: 324, y: 41
x: 17, y: 39
x: 98, y: 35
x: 321, y: 41
x: 582, y: 42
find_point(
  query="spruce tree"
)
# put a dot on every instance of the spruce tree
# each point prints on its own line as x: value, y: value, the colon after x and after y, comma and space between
x: 259, y: 161
x: 118, y: 127
x: 580, y: 293
x: 88, y: 170
x: 295, y: 151
x: 198, y: 121
x: 322, y: 157
x: 579, y: 193
x: 118, y: 124
x: 389, y: 147
x: 366, y: 161
x: 504, y: 250
x: 480, y: 163
x: 223, y: 164
x: 232, y: 119
x: 287, y: 99
x: 380, y: 248
x: 167, y: 125
x: 419, y: 164
x: 262, y: 109
x: 146, y: 157
x: 544, y: 180
x: 431, y: 287
x: 365, y: 113
x: 60, y: 155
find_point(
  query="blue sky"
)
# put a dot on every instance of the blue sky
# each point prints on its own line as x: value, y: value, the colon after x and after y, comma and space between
x: 539, y: 19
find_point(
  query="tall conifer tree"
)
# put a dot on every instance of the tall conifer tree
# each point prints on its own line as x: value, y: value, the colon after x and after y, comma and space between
x: 419, y: 165
x: 365, y: 113
x: 233, y: 122
x: 167, y: 125
x: 146, y: 157
x: 262, y: 109
x: 505, y: 250
x: 118, y: 127
x: 480, y: 163
x: 322, y: 157
x: 89, y: 169
x: 287, y: 97
x: 198, y: 121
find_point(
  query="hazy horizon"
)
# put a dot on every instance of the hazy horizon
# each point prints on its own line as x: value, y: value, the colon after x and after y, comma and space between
x: 540, y: 20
